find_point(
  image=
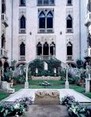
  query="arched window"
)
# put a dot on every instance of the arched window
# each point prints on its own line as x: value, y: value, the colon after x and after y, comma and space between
x: 22, y: 22
x: 52, y: 48
x: 39, y: 49
x: 69, y: 48
x: 50, y: 20
x: 69, y: 21
x: 3, y: 6
x: 69, y: 2
x: 22, y: 2
x: 22, y: 49
x: 45, y: 49
x: 3, y: 41
x: 42, y: 20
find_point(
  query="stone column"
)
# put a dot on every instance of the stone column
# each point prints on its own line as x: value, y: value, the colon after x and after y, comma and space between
x: 26, y: 82
x: 67, y: 82
x: 87, y: 86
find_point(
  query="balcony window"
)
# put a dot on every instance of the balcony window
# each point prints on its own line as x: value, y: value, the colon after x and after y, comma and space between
x: 39, y: 49
x: 69, y: 24
x: 22, y: 49
x: 69, y: 48
x: 22, y: 24
x: 46, y: 21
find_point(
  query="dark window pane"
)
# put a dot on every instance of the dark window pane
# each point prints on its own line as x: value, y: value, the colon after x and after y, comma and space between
x: 69, y: 50
x: 69, y: 24
x: 51, y: 2
x: 3, y: 8
x: 22, y: 49
x: 49, y: 23
x: 22, y: 2
x: 46, y: 49
x: 46, y: 2
x: 39, y: 2
x: 22, y: 22
x: 41, y: 22
x: 69, y: 1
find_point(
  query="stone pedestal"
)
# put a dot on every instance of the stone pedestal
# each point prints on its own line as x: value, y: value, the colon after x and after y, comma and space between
x: 47, y: 97
x: 88, y: 84
x: 26, y: 85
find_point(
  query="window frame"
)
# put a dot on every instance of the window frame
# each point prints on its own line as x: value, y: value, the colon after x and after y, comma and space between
x: 46, y: 29
x: 22, y: 29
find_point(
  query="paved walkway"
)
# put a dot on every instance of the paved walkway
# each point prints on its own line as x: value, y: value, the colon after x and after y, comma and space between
x: 63, y: 92
x: 47, y: 111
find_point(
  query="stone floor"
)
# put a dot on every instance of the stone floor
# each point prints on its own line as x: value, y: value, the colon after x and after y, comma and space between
x: 47, y: 111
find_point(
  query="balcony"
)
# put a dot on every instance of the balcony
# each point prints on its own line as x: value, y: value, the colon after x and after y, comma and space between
x: 45, y: 57
x: 22, y: 30
x: 69, y: 58
x: 88, y: 19
x: 69, y: 30
x: 4, y: 19
x: 22, y: 58
x: 3, y: 53
x: 47, y: 30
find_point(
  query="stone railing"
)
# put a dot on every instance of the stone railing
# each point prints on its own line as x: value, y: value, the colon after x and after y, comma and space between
x: 3, y: 52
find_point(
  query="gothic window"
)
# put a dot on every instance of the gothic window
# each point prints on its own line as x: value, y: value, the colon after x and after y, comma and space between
x: 45, y: 2
x: 22, y: 2
x: 50, y: 20
x: 22, y: 49
x: 52, y: 48
x: 3, y: 6
x: 69, y: 2
x: 3, y: 41
x: 69, y: 21
x: 39, y: 49
x: 22, y: 22
x: 42, y: 20
x: 45, y: 49
x: 46, y: 21
x: 89, y: 5
x: 69, y: 48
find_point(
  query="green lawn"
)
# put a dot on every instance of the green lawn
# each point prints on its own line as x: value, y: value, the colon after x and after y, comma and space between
x: 54, y: 85
x: 3, y: 95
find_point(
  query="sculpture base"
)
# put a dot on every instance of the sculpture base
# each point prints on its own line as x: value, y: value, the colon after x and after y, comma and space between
x: 67, y: 85
x: 26, y: 85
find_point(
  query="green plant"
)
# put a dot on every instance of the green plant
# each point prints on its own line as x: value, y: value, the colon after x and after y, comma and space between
x: 79, y: 63
x: 39, y: 64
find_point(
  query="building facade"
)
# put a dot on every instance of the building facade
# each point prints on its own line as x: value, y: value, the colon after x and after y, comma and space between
x: 44, y: 29
x: 88, y: 25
